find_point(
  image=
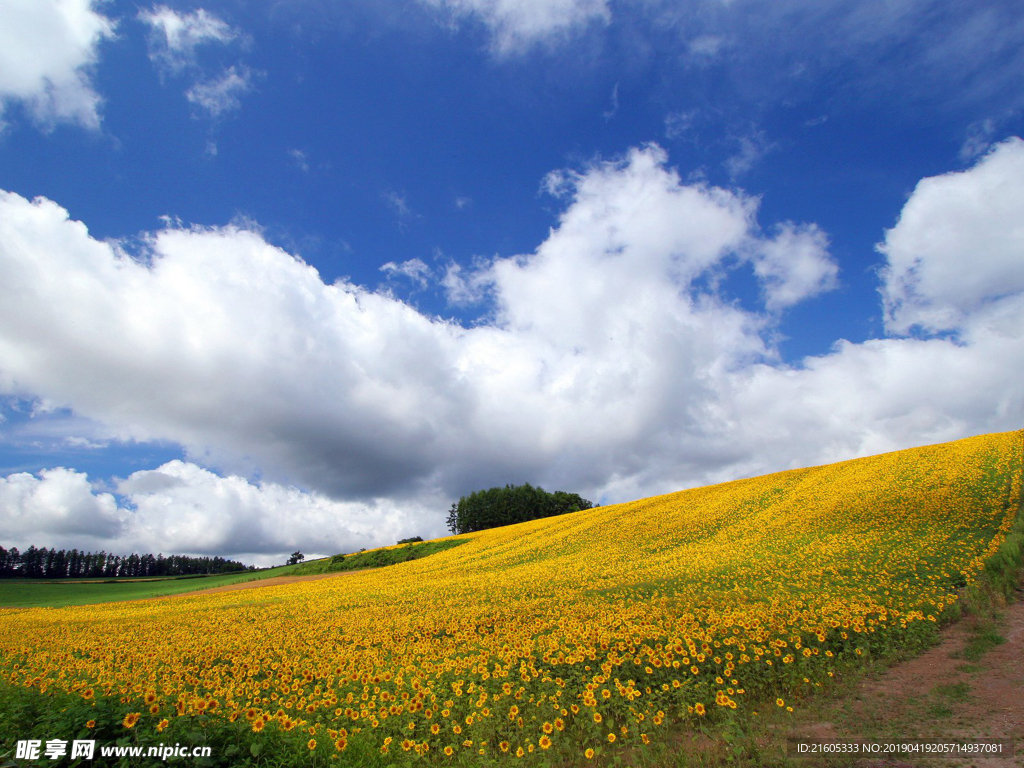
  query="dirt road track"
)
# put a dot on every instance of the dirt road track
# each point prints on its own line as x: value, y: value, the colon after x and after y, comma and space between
x: 941, y: 696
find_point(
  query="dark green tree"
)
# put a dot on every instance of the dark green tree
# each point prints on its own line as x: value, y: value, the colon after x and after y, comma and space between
x: 495, y: 507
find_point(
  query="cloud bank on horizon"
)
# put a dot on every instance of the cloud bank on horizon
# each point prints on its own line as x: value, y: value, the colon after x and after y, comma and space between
x: 615, y: 357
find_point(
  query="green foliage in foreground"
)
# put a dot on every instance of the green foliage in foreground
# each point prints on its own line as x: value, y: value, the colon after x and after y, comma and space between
x: 26, y: 593
x: 374, y: 558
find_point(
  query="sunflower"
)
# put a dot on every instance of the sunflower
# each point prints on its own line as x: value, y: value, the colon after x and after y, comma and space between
x: 311, y: 744
x: 544, y: 742
x: 130, y: 719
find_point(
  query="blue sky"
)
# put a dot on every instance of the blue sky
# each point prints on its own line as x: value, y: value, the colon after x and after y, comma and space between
x: 283, y: 275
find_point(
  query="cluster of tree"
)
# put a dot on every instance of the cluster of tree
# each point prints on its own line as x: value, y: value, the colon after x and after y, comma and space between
x: 410, y: 540
x: 512, y: 504
x: 36, y: 563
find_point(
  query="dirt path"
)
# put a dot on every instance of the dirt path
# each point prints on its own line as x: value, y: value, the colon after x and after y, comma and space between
x: 941, y: 695
x: 259, y: 583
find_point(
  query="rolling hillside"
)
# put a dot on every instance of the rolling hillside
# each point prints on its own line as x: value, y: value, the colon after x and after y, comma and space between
x: 575, y: 634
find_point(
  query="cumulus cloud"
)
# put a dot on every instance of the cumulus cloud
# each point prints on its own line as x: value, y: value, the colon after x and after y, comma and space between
x: 48, y: 49
x: 182, y: 508
x: 516, y: 25
x: 175, y: 36
x: 605, y: 361
x: 216, y: 340
x: 952, y: 266
x: 59, y: 502
x: 794, y: 265
x: 463, y: 288
x: 958, y: 246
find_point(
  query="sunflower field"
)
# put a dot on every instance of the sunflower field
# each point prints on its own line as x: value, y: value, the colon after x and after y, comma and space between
x: 570, y: 635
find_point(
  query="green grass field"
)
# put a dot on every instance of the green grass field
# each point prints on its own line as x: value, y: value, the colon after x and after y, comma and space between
x: 375, y: 558
x: 48, y: 593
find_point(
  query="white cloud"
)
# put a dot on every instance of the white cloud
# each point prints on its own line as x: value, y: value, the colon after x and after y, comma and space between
x: 182, y: 508
x: 605, y: 364
x: 794, y: 265
x: 238, y: 351
x: 953, y: 264
x: 173, y: 42
x: 186, y: 508
x: 59, y: 502
x: 752, y: 147
x: 516, y: 25
x: 221, y: 94
x: 414, y: 269
x: 47, y: 51
x: 175, y: 36
x: 958, y: 245
x: 463, y: 289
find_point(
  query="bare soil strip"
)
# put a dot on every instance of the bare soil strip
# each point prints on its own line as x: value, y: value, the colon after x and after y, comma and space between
x: 939, y: 695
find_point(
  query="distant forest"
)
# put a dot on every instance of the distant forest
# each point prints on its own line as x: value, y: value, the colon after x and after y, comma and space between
x: 36, y: 563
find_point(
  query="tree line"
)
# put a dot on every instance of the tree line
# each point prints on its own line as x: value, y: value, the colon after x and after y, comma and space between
x: 512, y: 504
x: 44, y: 563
